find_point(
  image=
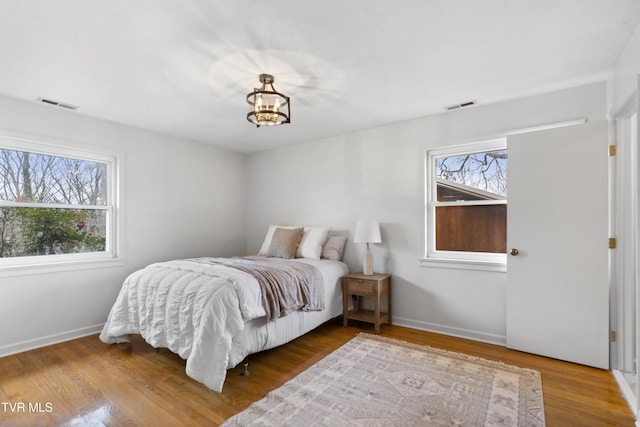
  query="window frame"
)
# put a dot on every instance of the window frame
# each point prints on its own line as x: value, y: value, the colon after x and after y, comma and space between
x: 113, y: 254
x: 456, y: 259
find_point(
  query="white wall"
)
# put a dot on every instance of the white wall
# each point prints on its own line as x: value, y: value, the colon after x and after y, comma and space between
x: 182, y: 199
x: 378, y: 174
x: 220, y: 204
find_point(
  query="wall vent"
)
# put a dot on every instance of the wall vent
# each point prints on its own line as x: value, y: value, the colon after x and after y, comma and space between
x: 58, y: 104
x: 460, y: 105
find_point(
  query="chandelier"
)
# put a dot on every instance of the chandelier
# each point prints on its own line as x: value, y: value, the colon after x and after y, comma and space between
x: 267, y: 104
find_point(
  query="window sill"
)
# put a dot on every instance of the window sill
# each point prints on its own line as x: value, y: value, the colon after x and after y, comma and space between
x: 460, y: 264
x: 59, y: 266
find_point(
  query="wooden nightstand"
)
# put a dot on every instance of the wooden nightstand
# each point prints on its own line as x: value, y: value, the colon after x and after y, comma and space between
x: 361, y: 285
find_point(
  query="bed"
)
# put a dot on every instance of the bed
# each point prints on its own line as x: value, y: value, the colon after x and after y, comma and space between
x: 214, y: 312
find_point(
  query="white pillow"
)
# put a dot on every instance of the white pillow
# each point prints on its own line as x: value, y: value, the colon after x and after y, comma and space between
x: 312, y: 240
x: 264, y: 249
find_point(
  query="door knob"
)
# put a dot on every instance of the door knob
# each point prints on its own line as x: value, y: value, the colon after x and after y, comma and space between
x: 514, y: 252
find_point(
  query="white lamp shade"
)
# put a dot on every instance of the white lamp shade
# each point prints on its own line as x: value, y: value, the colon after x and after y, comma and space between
x: 367, y: 232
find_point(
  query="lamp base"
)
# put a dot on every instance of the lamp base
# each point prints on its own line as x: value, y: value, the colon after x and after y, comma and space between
x: 367, y: 267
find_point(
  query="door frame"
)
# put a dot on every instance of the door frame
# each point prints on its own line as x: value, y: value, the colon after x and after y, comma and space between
x: 624, y: 271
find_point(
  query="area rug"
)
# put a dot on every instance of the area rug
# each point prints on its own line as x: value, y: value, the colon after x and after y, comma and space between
x: 378, y: 381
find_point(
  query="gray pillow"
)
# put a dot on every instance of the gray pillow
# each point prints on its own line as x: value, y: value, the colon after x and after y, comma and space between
x: 334, y: 247
x: 285, y: 242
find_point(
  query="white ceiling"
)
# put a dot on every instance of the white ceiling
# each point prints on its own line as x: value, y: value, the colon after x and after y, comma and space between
x: 184, y: 67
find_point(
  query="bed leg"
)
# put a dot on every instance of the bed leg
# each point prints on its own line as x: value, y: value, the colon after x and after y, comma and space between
x: 246, y: 367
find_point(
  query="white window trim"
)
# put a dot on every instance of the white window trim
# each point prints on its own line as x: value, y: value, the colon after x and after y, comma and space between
x: 453, y: 259
x: 114, y: 253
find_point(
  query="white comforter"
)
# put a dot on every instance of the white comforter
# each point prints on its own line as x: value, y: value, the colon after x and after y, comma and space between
x: 194, y: 309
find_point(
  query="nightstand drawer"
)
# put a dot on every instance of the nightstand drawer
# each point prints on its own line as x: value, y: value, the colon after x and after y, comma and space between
x: 360, y: 287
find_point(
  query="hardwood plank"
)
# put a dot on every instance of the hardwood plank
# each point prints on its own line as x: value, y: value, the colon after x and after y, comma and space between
x: 86, y: 382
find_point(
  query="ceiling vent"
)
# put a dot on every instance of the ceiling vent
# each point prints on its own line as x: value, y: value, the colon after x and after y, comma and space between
x: 461, y: 105
x: 58, y: 104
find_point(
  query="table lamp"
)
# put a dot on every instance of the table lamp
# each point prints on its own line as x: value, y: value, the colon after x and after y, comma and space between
x: 367, y: 232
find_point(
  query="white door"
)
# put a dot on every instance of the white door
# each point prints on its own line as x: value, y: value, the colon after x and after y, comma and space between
x: 557, y: 284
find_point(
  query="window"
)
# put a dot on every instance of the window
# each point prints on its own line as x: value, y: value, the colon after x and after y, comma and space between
x: 466, y: 204
x: 56, y: 204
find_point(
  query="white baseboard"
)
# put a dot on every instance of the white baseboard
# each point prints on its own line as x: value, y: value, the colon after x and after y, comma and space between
x: 451, y: 331
x: 410, y: 323
x: 627, y: 393
x: 49, y: 340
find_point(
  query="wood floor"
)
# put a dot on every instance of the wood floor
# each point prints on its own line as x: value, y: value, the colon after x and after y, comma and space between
x: 87, y: 383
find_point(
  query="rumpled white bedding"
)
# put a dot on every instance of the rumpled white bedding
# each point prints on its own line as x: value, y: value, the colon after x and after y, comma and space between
x: 194, y: 309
